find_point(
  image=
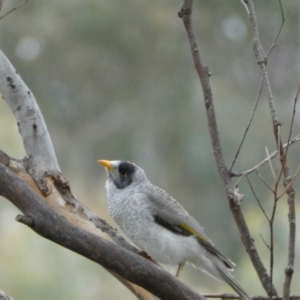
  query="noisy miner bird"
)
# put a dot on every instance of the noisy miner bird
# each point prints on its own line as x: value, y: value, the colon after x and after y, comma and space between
x: 159, y: 225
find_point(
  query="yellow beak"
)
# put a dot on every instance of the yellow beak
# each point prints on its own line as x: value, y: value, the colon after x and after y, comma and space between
x: 106, y: 163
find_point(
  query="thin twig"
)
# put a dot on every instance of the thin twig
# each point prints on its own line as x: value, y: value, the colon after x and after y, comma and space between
x: 271, y: 227
x: 257, y: 199
x: 263, y: 162
x: 279, y: 168
x: 268, y: 246
x: 249, y: 124
x: 1, y: 4
x: 279, y: 31
x: 293, y: 119
x: 289, y: 270
x: 289, y: 184
x: 270, y: 163
x: 281, y: 10
x: 14, y: 8
x: 266, y: 184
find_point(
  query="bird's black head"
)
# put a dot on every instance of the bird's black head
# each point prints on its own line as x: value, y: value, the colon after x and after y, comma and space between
x: 124, y: 174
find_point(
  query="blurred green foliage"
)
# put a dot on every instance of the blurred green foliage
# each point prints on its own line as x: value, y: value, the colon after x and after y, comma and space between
x: 115, y: 80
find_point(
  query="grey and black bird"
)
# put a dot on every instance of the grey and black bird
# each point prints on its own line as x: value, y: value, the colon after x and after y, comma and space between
x: 160, y: 226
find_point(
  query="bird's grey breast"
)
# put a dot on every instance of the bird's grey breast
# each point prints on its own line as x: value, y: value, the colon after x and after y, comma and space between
x: 130, y: 209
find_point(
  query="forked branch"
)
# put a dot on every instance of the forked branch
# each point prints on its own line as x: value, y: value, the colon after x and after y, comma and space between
x: 234, y: 198
x: 261, y: 60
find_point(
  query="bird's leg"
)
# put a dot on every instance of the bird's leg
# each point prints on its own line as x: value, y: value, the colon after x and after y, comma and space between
x: 180, y: 267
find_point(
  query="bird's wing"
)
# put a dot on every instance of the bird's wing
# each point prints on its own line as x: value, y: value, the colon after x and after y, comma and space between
x: 168, y: 213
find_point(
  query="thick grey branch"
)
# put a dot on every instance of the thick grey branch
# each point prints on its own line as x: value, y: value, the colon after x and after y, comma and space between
x: 41, y: 170
x: 52, y: 226
x: 32, y: 127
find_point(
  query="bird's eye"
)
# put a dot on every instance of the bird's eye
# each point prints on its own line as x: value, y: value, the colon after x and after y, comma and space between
x: 123, y: 173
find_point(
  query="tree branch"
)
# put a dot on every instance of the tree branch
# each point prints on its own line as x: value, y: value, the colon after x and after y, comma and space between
x: 233, y: 197
x: 40, y: 169
x: 3, y: 296
x: 13, y: 9
x: 267, y: 159
x: 31, y: 124
x: 65, y: 204
x: 47, y: 223
x: 261, y: 60
x: 288, y: 183
x: 248, y: 125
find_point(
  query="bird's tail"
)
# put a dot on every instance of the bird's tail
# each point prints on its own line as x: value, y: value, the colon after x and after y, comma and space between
x: 227, y: 277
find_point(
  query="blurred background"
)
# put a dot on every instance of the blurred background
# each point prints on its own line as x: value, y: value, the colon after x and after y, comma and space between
x: 115, y: 80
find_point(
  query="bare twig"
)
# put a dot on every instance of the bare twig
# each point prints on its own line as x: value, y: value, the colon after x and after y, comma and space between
x: 264, y: 241
x: 261, y: 60
x: 279, y: 31
x: 270, y: 163
x: 281, y: 10
x: 289, y: 270
x: 234, y: 199
x: 293, y: 119
x: 279, y: 165
x: 257, y: 199
x: 1, y: 6
x: 263, y: 162
x: 289, y: 184
x: 271, y: 228
x: 264, y: 181
x: 14, y: 8
x: 248, y: 125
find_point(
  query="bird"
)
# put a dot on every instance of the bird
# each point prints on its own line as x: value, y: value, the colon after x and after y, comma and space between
x: 160, y: 226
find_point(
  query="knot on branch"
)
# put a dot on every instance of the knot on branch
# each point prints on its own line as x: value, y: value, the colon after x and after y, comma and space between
x: 59, y: 181
x: 277, y: 124
x: 36, y: 171
x: 287, y: 180
x: 237, y: 196
x: 184, y: 11
x: 45, y: 188
x: 262, y: 61
x: 234, y: 196
x: 289, y: 270
x: 27, y: 220
x: 207, y: 102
